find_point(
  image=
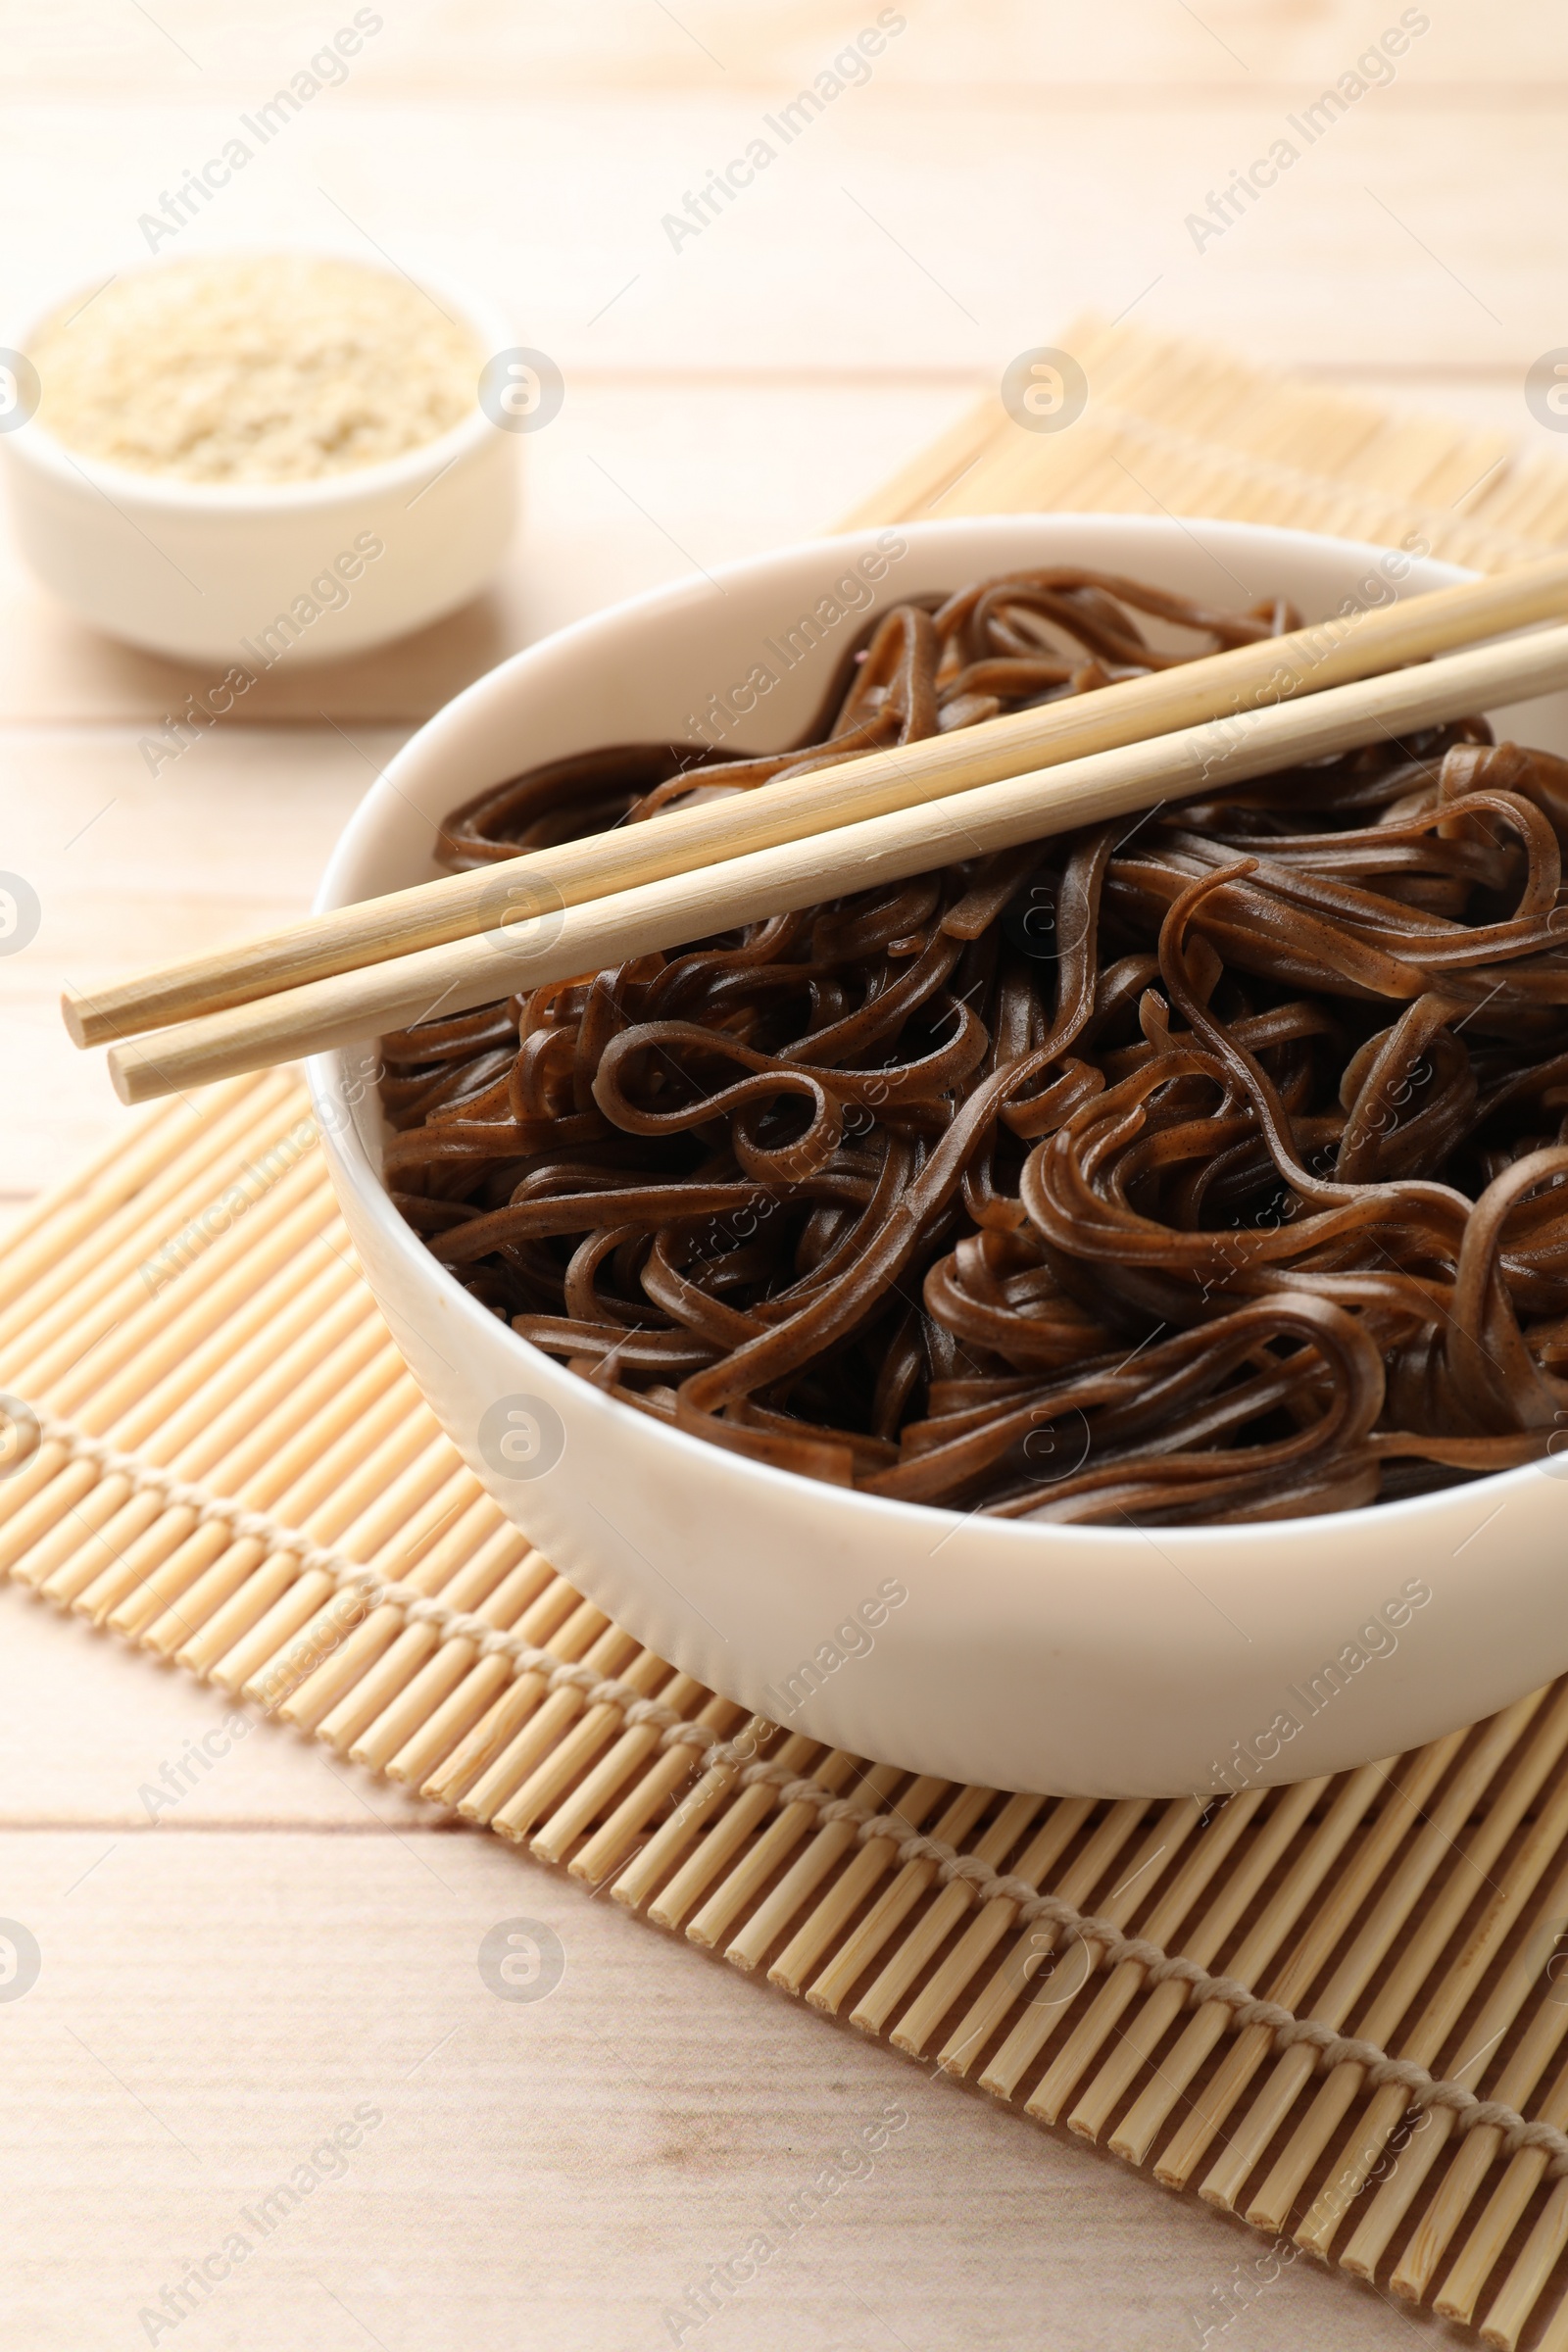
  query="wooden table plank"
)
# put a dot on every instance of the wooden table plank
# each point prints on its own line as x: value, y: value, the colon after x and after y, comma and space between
x: 562, y: 2171
x: 229, y: 839
x: 1145, y: 46
x: 126, y: 1752
x: 849, y: 248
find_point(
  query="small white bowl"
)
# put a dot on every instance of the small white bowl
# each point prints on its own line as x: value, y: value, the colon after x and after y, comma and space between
x: 1073, y: 1660
x: 208, y: 571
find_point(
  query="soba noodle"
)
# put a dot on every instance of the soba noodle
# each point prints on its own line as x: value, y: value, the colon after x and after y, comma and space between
x: 1204, y: 1168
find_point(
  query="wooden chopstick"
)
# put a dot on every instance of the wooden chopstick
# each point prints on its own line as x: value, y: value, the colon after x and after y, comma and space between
x: 666, y: 913
x: 1323, y: 655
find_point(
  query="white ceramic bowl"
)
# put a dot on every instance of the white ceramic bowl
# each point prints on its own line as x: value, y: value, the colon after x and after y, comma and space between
x: 209, y: 572
x: 1062, y: 1659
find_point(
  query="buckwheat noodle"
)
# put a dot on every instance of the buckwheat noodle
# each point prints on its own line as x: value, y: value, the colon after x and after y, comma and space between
x: 1208, y: 1168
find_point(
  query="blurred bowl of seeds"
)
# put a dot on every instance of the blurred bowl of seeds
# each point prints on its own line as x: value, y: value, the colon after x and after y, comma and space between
x: 254, y: 456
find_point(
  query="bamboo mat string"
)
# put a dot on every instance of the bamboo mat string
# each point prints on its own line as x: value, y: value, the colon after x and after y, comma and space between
x: 952, y: 1865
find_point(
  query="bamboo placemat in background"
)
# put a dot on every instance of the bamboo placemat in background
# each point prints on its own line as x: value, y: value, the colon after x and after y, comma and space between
x: 1334, y: 2009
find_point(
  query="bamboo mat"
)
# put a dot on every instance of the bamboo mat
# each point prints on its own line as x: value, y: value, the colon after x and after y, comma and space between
x: 1335, y: 2010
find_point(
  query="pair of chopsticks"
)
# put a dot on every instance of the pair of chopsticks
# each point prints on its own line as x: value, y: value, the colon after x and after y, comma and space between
x: 443, y: 947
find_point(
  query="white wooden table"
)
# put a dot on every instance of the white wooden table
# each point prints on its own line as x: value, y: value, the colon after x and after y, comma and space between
x: 221, y: 1989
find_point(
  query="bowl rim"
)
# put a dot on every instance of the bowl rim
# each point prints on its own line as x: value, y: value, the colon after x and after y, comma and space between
x: 347, y: 1151
x: 172, y: 494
